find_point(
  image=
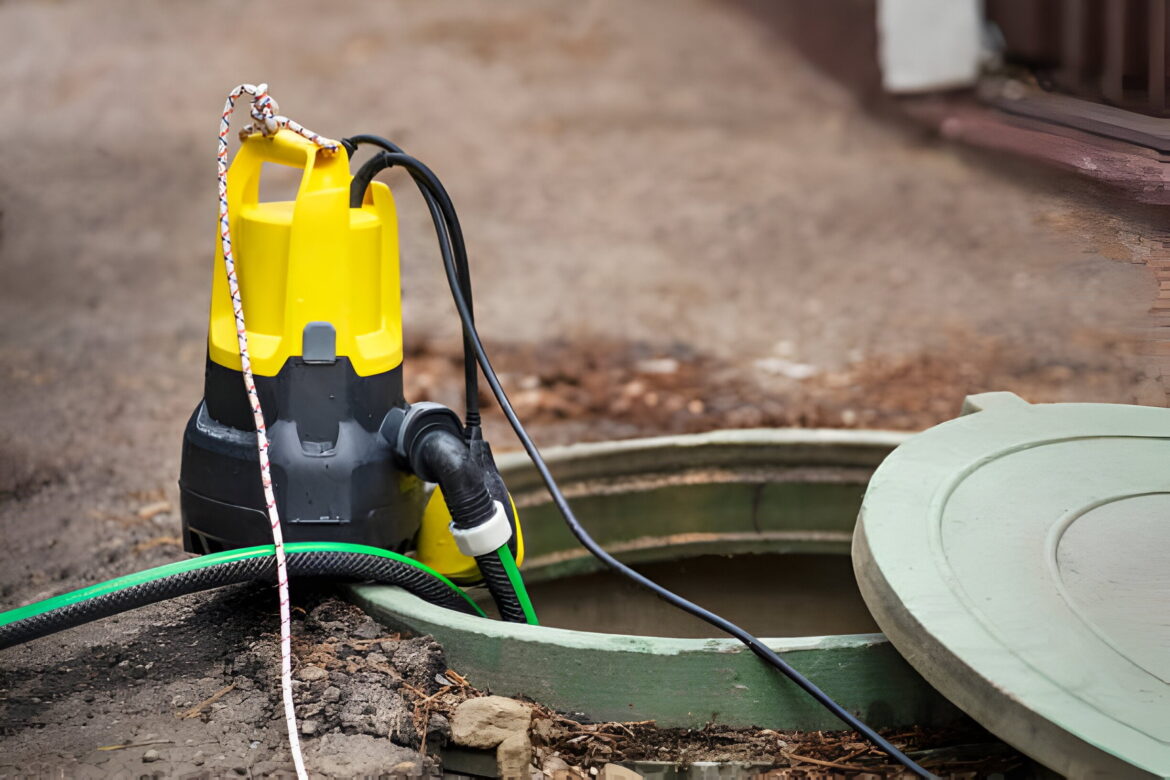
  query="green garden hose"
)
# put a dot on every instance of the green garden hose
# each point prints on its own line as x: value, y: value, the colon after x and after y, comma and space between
x: 513, y: 571
x: 305, y: 559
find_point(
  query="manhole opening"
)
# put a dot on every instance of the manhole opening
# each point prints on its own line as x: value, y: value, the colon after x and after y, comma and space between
x: 769, y: 594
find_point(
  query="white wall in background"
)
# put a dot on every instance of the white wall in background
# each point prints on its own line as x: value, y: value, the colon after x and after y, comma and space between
x: 928, y: 45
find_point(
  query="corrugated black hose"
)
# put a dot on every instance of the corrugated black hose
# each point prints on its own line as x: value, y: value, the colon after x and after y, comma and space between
x: 500, y: 585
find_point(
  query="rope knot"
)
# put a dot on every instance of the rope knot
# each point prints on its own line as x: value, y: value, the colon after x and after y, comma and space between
x: 267, y: 121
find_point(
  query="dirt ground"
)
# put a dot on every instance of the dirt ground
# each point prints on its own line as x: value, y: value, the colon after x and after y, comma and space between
x: 195, y: 697
x: 675, y: 224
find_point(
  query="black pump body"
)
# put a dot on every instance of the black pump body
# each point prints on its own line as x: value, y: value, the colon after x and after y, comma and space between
x: 335, y: 476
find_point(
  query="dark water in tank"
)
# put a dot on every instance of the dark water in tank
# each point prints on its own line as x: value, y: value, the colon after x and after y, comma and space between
x: 771, y: 595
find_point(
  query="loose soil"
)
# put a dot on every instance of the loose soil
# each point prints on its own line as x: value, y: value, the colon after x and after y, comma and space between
x: 597, y: 390
x: 675, y: 223
x: 961, y: 751
x: 187, y: 690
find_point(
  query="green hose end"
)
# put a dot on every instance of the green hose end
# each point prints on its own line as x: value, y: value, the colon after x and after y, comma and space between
x: 513, y: 571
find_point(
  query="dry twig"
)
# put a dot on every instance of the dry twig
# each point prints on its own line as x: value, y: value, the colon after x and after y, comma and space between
x: 819, y: 762
x: 212, y: 699
x: 137, y: 744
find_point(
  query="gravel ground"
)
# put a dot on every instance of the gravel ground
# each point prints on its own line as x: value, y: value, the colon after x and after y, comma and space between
x: 649, y: 182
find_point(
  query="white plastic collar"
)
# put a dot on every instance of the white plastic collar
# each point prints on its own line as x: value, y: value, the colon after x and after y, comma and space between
x: 486, y: 537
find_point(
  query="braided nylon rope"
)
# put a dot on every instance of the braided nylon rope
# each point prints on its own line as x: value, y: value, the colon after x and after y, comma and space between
x: 267, y: 122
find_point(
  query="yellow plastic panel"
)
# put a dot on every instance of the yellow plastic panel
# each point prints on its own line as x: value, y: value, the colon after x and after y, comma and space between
x: 310, y: 260
x: 436, y: 546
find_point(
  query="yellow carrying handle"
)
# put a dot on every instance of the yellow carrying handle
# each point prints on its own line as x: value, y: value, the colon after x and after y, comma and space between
x: 313, y: 259
x: 323, y: 170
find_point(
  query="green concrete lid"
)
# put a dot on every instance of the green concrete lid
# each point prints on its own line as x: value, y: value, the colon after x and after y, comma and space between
x: 1019, y: 558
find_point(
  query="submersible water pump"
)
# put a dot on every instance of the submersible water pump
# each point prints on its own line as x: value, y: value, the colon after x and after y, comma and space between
x: 320, y: 282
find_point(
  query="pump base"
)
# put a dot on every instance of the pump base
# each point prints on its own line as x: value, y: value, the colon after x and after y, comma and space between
x: 335, y: 476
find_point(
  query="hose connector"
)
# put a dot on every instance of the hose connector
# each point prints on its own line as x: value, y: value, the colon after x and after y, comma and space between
x: 486, y: 537
x: 403, y: 429
x: 428, y: 440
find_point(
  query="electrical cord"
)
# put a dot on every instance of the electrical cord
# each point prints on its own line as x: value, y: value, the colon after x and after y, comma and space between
x: 440, y: 203
x: 453, y: 235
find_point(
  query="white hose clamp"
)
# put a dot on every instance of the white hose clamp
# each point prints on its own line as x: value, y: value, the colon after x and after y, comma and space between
x: 485, y: 537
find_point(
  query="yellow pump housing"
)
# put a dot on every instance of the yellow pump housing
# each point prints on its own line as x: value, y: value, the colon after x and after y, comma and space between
x: 309, y: 260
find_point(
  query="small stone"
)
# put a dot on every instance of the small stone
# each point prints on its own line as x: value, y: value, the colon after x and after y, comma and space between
x: 198, y: 759
x: 543, y: 730
x: 405, y: 769
x: 311, y: 673
x: 664, y: 365
x: 439, y: 728
x: 377, y: 658
x: 367, y: 629
x: 332, y: 694
x: 309, y: 727
x: 514, y: 755
x: 554, y: 764
x: 616, y: 772
x: 488, y: 721
x: 419, y: 660
x: 150, y: 756
x: 786, y: 368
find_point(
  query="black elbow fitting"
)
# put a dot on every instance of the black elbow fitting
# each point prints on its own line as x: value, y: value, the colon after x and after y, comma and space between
x: 428, y: 440
x: 442, y: 457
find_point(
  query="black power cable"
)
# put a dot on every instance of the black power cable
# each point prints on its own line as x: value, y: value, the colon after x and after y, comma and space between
x: 452, y: 234
x: 441, y: 205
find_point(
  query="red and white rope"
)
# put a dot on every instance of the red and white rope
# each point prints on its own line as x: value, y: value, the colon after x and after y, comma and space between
x: 265, y: 121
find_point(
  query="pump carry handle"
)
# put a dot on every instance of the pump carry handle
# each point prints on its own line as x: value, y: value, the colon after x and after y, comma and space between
x: 323, y: 169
